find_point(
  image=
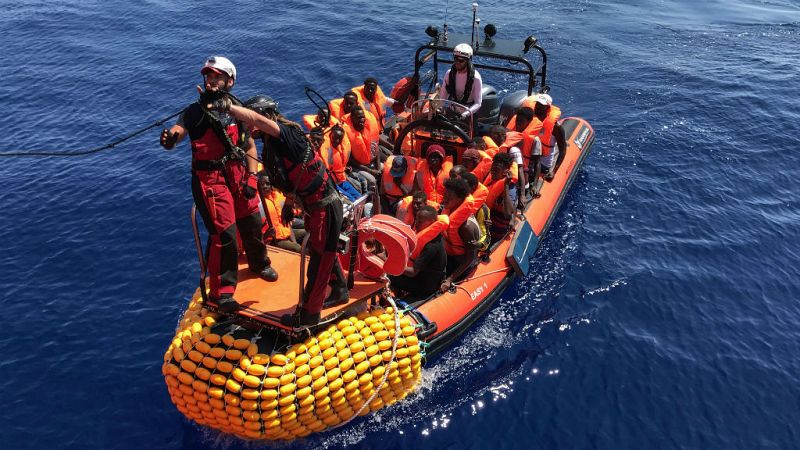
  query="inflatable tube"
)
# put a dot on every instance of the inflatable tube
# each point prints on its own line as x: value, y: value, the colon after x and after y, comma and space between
x: 356, y: 366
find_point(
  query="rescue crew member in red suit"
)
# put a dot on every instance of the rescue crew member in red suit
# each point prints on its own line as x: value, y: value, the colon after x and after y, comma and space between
x: 223, y: 184
x: 305, y: 175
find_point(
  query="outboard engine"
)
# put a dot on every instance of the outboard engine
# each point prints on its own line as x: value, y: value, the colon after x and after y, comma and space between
x: 511, y: 104
x: 490, y: 105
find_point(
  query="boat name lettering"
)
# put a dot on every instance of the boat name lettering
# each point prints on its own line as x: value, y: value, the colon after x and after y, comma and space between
x: 477, y: 292
x: 581, y: 139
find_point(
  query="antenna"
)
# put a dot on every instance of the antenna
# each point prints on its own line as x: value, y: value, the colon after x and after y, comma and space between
x: 446, y: 4
x: 474, y: 14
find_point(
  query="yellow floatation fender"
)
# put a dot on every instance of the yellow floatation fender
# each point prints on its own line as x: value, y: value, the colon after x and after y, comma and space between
x: 352, y: 368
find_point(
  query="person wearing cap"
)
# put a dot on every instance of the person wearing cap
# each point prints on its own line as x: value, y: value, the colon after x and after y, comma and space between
x: 397, y: 181
x: 462, y: 83
x: 224, y: 181
x: 551, y: 135
x: 431, y: 173
x: 293, y: 166
x: 477, y: 162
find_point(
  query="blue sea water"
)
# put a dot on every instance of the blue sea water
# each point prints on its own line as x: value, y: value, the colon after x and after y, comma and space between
x: 662, y: 309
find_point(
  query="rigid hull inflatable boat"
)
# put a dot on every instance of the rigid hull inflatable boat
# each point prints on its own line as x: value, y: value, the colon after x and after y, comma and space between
x: 249, y: 375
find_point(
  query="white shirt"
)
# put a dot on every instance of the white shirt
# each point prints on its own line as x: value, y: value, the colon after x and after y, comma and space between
x: 476, y: 96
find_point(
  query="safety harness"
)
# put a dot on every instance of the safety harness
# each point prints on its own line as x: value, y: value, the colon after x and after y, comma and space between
x: 451, y: 85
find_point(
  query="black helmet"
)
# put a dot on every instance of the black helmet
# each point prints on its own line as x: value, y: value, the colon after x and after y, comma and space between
x: 263, y: 105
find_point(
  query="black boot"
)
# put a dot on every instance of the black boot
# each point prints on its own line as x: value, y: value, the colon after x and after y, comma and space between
x: 307, y: 319
x: 226, y: 304
x: 340, y: 295
x: 268, y: 274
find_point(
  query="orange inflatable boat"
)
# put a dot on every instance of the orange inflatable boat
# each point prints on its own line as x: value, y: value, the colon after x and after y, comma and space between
x: 251, y: 376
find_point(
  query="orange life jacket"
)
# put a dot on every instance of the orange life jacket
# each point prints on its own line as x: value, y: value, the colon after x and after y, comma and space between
x: 491, y: 146
x: 361, y: 141
x: 310, y: 121
x: 335, y: 158
x: 274, y: 202
x: 429, y: 233
x: 376, y: 105
x: 405, y: 93
x: 496, y: 188
x: 453, y: 244
x: 481, y: 194
x: 335, y: 107
x: 546, y: 132
x: 484, y: 165
x: 431, y: 184
x: 404, y: 211
x: 390, y: 189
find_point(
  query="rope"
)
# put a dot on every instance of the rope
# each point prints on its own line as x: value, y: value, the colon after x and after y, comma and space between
x: 96, y: 149
x: 388, y: 366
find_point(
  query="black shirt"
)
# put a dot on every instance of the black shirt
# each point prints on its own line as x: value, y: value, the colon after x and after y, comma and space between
x: 292, y: 144
x: 430, y: 265
x: 196, y: 121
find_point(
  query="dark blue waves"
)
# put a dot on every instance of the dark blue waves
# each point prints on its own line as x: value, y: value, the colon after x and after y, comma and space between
x: 662, y: 308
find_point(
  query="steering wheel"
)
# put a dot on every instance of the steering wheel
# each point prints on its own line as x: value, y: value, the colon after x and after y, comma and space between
x: 430, y: 123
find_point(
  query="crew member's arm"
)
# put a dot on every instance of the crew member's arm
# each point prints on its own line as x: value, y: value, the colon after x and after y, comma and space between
x: 252, y: 156
x: 248, y: 116
x: 470, y: 235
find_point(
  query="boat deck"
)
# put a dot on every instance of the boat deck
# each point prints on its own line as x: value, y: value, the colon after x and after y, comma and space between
x: 266, y: 302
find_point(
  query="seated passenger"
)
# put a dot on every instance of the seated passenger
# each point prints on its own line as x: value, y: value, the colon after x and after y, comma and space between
x: 397, y: 181
x: 279, y: 229
x: 321, y: 119
x: 409, y: 206
x: 551, y: 135
x: 363, y: 131
x: 510, y: 142
x: 423, y: 277
x: 335, y: 153
x: 373, y: 99
x: 483, y: 215
x: 477, y: 162
x: 463, y: 235
x: 432, y: 172
x: 502, y: 195
x: 462, y: 83
x: 339, y: 107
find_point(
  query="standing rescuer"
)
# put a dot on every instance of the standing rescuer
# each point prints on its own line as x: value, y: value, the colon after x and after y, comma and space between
x: 294, y: 168
x: 223, y: 183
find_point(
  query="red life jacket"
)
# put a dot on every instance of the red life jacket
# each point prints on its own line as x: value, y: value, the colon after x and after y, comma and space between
x: 405, y: 93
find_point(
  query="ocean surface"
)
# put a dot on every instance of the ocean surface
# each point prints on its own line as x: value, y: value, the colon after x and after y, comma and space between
x: 662, y: 308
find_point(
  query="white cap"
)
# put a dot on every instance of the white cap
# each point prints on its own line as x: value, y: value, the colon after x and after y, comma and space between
x: 544, y: 99
x: 463, y: 50
x: 219, y: 64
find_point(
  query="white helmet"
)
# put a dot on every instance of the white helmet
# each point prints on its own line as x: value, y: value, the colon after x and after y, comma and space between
x: 219, y: 64
x: 463, y: 50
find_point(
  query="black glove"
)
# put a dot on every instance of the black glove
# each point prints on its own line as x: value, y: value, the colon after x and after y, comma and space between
x: 249, y: 186
x: 221, y: 105
x: 168, y: 139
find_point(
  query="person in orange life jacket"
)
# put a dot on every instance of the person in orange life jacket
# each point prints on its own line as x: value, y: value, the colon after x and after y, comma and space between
x: 340, y: 107
x: 397, y: 182
x: 531, y: 151
x: 424, y: 276
x: 499, y: 135
x: 431, y: 173
x: 483, y: 214
x: 223, y: 183
x: 362, y: 130
x: 322, y: 119
x: 290, y: 160
x: 462, y: 83
x: 502, y: 199
x: 461, y: 244
x: 373, y: 98
x: 409, y: 206
x: 336, y: 154
x: 544, y: 104
x: 279, y: 227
